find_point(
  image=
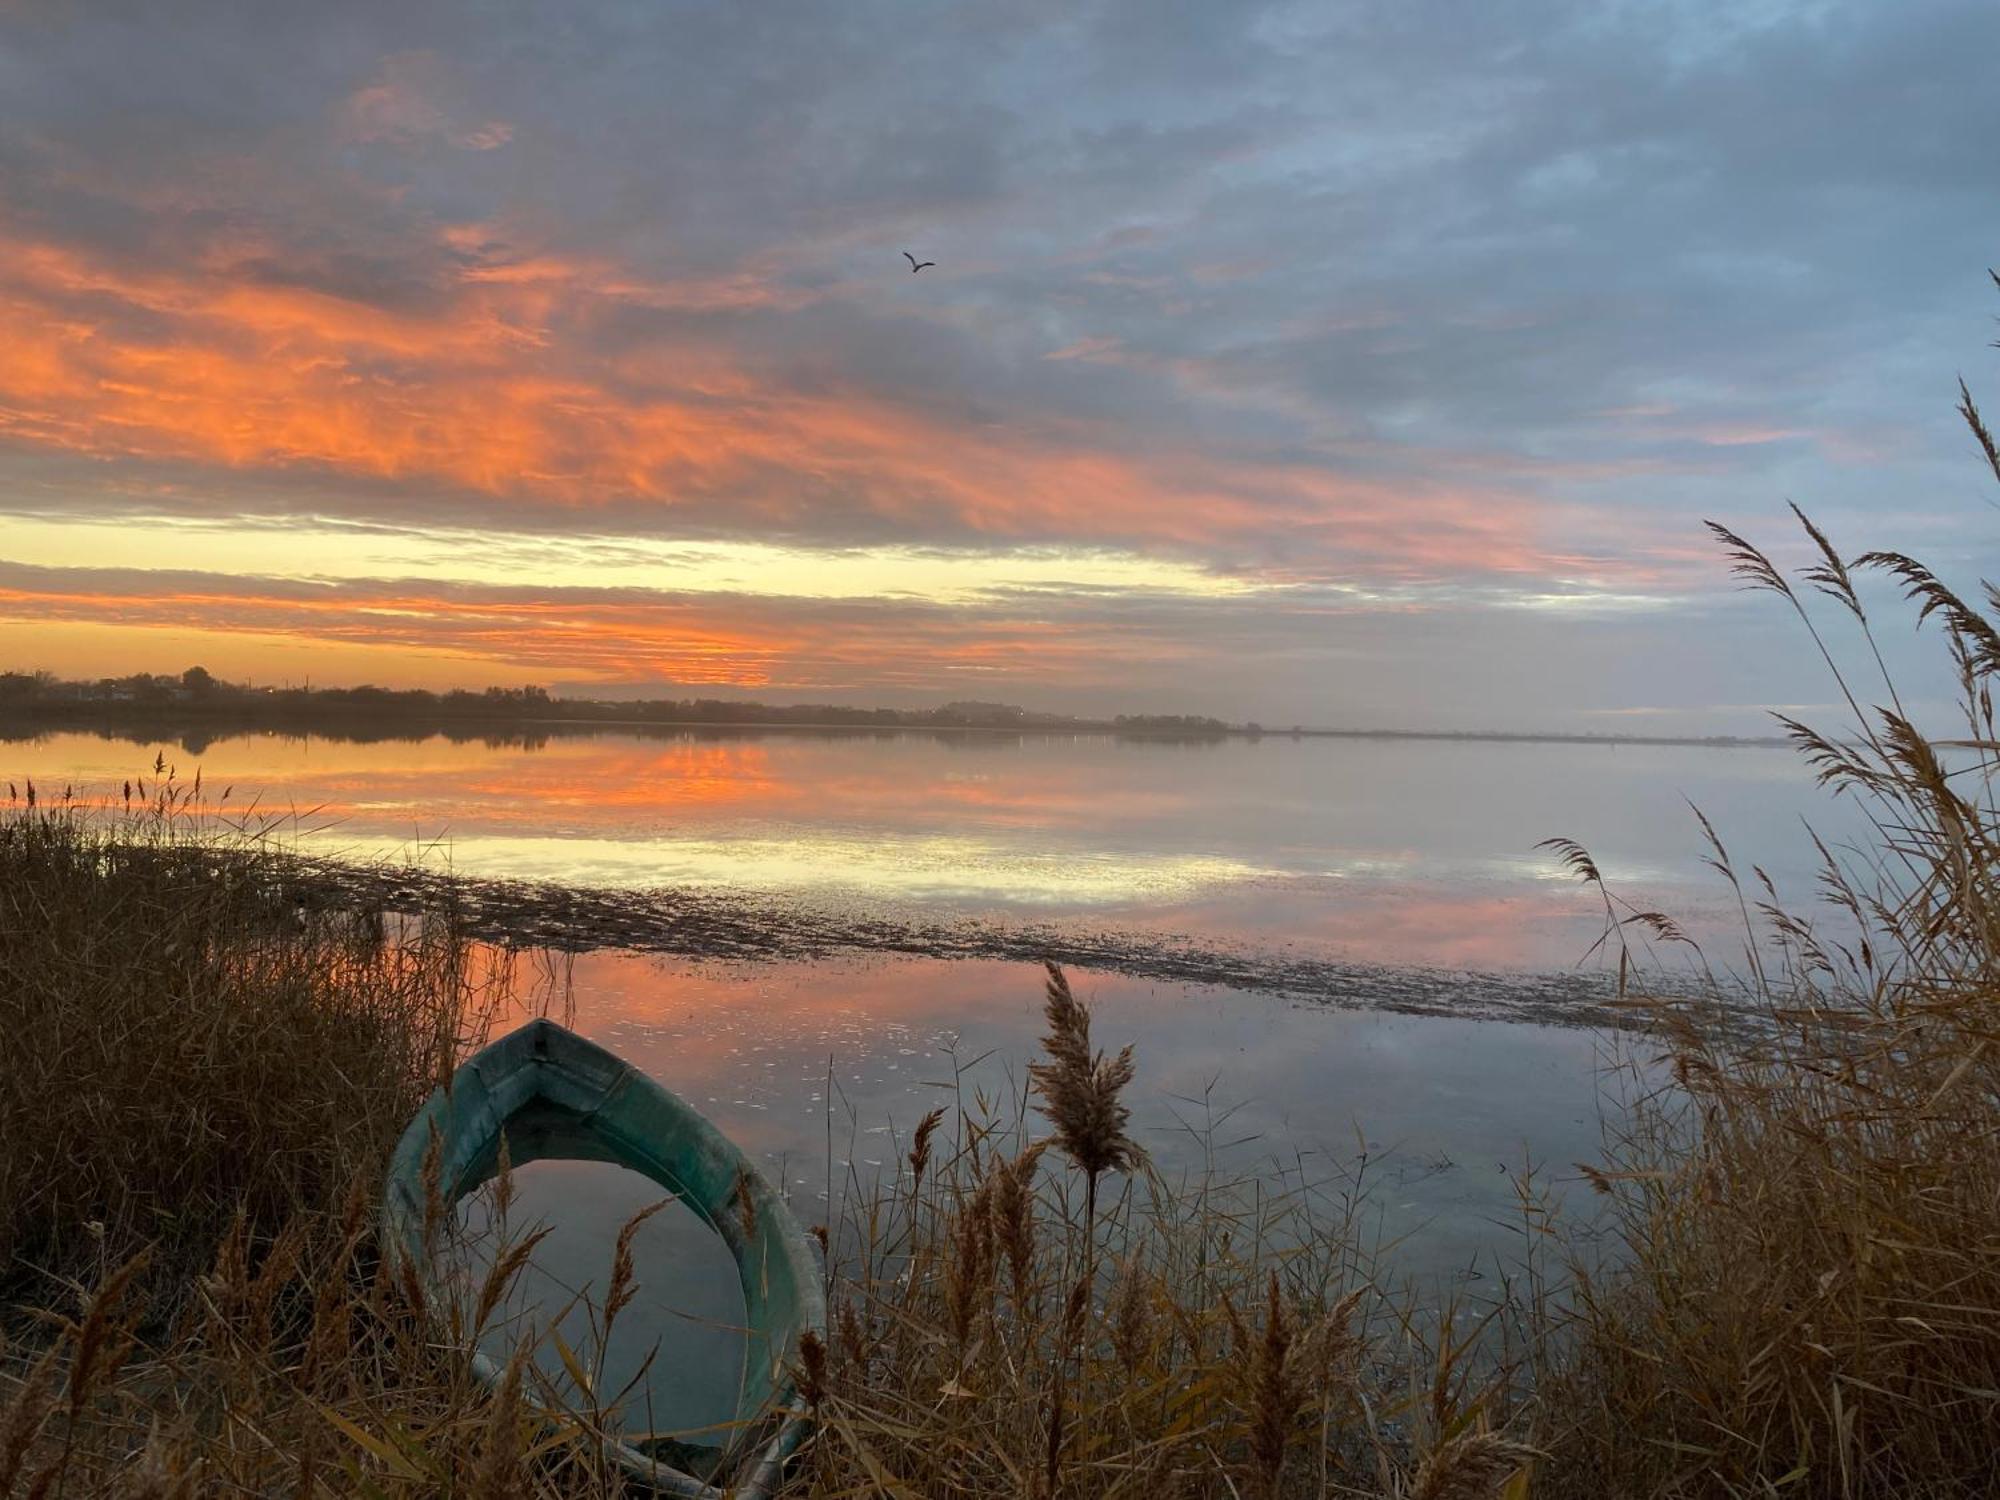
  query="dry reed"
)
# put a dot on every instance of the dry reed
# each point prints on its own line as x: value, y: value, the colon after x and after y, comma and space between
x: 1006, y: 1328
x: 1808, y: 1302
x: 198, y: 1092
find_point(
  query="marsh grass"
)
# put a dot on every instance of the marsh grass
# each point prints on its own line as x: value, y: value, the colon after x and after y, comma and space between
x: 189, y: 1049
x: 1050, y: 1315
x: 202, y: 1080
x: 1809, y: 1215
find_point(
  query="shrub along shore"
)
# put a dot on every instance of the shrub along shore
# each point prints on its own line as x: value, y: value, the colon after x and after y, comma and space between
x: 199, y: 1086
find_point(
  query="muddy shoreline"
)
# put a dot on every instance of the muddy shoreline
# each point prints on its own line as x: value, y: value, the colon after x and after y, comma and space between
x: 697, y: 923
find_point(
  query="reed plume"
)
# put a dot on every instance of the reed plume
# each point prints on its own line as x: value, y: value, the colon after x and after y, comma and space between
x: 812, y: 1371
x: 1275, y: 1395
x: 1014, y: 1220
x: 920, y: 1146
x: 969, y: 1272
x: 1081, y: 1090
x: 498, y: 1476
x: 1131, y: 1314
x: 1472, y: 1466
x: 853, y: 1342
x: 624, y: 1284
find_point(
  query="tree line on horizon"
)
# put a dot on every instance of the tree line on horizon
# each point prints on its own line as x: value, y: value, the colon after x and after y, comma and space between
x: 198, y: 693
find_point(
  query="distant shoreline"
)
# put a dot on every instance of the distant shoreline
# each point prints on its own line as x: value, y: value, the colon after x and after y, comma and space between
x: 345, y: 723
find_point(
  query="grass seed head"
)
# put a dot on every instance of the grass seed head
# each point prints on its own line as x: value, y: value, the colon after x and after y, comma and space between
x: 1080, y: 1089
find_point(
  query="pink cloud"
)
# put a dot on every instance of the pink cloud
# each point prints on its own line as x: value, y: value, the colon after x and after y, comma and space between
x: 402, y: 108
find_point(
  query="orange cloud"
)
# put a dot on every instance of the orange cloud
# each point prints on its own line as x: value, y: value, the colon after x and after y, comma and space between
x: 81, y: 648
x: 498, y: 389
x: 734, y: 642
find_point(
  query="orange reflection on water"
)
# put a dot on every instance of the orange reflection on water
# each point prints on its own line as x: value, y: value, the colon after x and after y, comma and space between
x: 602, y: 783
x: 1366, y: 852
x: 858, y: 777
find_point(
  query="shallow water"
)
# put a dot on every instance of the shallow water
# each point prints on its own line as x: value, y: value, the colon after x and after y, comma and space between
x: 1385, y: 851
x: 820, y: 1072
x: 673, y: 1359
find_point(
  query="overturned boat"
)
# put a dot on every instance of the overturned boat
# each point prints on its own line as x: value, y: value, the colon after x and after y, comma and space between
x: 555, y: 1096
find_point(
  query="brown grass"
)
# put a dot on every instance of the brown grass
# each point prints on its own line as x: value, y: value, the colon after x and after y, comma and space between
x: 165, y: 1006
x: 1002, y: 1331
x: 198, y: 1090
x: 1810, y: 1215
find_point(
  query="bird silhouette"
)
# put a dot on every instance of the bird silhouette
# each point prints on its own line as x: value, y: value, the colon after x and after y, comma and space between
x: 915, y: 264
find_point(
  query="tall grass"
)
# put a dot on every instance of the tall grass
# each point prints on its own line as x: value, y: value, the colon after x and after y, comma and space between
x: 1045, y: 1317
x: 199, y: 1084
x: 187, y: 1049
x: 1810, y: 1215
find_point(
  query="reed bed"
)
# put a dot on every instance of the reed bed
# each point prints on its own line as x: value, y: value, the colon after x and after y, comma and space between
x: 199, y: 1085
x: 187, y: 1045
x: 1809, y: 1217
x: 1043, y: 1314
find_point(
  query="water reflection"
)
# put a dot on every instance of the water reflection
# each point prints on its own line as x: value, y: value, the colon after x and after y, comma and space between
x: 818, y: 1069
x: 672, y: 1362
x: 1416, y: 852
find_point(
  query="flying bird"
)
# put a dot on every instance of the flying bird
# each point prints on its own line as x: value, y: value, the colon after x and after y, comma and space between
x: 915, y: 264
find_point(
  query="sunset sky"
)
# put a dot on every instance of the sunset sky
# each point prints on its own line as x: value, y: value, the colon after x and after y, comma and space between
x: 1340, y: 363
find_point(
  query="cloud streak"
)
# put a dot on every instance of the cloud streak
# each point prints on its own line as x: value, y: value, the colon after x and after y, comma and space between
x: 736, y: 641
x: 488, y: 395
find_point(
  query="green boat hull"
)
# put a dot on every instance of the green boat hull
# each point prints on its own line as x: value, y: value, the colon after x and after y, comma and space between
x: 555, y: 1096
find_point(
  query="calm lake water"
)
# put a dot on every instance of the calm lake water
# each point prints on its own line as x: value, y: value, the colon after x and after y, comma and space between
x: 1388, y: 851
x: 1417, y: 853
